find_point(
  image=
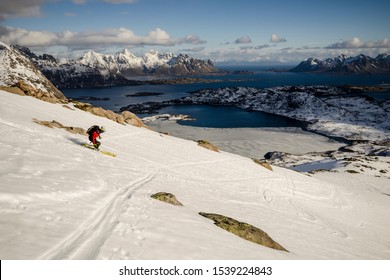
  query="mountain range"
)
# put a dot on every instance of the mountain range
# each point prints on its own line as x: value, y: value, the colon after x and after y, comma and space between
x: 122, y: 68
x: 360, y: 64
x: 95, y: 69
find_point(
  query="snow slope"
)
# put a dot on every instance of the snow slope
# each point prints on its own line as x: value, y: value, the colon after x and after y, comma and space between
x: 59, y: 200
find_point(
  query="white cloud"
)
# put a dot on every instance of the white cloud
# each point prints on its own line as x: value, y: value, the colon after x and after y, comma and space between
x: 25, y: 37
x: 356, y: 43
x: 276, y: 39
x: 243, y: 40
x: 193, y: 39
x: 120, y: 37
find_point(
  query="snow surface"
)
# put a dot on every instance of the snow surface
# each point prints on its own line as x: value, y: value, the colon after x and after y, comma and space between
x: 249, y: 142
x: 59, y: 200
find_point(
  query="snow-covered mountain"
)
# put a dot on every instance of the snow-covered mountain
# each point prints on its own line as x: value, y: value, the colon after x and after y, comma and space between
x: 64, y: 73
x: 95, y: 69
x: 361, y: 64
x: 59, y: 200
x: 151, y: 63
x: 20, y: 74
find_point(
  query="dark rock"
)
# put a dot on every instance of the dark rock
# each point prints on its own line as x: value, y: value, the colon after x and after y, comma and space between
x: 243, y: 230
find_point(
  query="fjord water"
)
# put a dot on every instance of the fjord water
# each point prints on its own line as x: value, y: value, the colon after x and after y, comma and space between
x: 228, y: 117
x: 217, y: 116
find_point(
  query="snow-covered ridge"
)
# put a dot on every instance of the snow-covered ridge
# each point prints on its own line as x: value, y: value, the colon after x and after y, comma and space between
x: 151, y: 62
x: 361, y: 64
x: 64, y: 73
x: 18, y: 71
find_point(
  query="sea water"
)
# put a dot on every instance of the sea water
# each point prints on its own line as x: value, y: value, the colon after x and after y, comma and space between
x: 222, y: 116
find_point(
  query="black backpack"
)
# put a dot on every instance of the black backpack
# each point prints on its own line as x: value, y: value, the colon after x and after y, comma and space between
x: 92, y: 129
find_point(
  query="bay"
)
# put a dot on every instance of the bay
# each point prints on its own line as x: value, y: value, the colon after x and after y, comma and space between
x: 226, y: 117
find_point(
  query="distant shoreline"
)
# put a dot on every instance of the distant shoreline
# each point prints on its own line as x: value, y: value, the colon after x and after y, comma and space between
x: 144, y: 93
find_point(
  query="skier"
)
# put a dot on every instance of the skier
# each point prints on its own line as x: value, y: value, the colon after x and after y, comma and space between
x: 93, y: 133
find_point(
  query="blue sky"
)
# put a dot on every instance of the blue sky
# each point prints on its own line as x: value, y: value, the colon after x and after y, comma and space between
x: 259, y: 31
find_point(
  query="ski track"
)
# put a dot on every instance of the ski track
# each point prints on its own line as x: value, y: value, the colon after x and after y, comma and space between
x: 311, y: 217
x: 85, y: 241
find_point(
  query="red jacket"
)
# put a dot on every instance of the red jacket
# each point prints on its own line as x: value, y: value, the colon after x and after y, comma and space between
x: 94, y: 135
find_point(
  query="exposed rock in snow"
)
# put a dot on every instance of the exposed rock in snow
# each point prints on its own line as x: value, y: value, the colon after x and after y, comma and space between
x: 55, y: 124
x: 168, y: 117
x: 243, y: 230
x: 167, y: 197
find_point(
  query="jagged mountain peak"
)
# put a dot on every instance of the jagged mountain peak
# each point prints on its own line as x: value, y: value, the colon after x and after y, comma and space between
x: 383, y: 56
x: 110, y: 69
x: 150, y: 63
x: 125, y: 52
x: 361, y: 64
x: 342, y: 57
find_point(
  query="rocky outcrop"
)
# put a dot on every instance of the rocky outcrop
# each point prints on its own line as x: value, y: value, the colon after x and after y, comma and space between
x: 125, y: 117
x: 132, y: 119
x: 243, y: 230
x: 167, y: 197
x: 207, y: 145
x: 55, y: 124
x: 29, y: 90
x: 262, y: 163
